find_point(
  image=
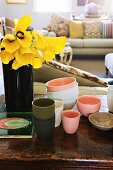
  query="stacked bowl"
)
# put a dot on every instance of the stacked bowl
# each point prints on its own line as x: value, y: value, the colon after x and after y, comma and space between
x: 65, y: 89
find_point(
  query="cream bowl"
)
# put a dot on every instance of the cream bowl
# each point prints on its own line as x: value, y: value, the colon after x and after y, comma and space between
x: 88, y: 104
x: 60, y: 84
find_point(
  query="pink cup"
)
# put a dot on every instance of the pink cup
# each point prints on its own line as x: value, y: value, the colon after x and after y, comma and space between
x: 70, y: 121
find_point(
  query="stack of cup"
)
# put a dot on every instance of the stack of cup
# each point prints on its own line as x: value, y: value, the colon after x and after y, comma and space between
x: 65, y: 89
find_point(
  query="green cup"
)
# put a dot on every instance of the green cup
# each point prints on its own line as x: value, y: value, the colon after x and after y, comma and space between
x: 43, y: 117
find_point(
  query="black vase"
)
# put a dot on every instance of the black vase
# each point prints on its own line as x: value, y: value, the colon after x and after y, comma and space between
x: 18, y: 85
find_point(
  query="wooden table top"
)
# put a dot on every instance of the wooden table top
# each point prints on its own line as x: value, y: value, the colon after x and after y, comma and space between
x: 89, y: 148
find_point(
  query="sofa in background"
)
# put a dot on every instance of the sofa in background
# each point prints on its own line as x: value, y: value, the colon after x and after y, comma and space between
x: 85, y: 37
x: 91, y: 46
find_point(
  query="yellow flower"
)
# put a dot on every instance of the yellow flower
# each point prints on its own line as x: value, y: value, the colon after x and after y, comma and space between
x: 24, y: 37
x: 16, y: 65
x: 10, y: 43
x: 24, y: 22
x: 57, y: 43
x: 6, y: 57
x: 24, y: 58
x: 39, y: 41
x: 37, y: 62
x: 49, y: 54
x: 29, y: 47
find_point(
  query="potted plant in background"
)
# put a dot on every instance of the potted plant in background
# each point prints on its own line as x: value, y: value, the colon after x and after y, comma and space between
x: 21, y: 51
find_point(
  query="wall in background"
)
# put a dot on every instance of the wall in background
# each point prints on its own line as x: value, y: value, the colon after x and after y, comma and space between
x: 13, y: 11
x: 40, y: 19
x: 1, y: 7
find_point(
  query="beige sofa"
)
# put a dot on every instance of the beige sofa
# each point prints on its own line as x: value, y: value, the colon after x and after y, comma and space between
x: 97, y: 46
x: 86, y: 37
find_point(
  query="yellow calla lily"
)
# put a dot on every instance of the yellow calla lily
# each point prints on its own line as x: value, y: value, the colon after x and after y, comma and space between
x: 24, y: 38
x: 37, y: 62
x: 49, y: 54
x: 24, y: 21
x: 24, y: 59
x: 25, y: 50
x: 16, y: 65
x: 56, y: 42
x: 29, y: 47
x: 39, y: 41
x: 10, y: 43
x: 6, y: 57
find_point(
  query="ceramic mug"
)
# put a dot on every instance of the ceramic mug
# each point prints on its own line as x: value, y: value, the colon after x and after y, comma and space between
x: 70, y: 121
x: 110, y: 98
x: 43, y: 117
x: 58, y: 110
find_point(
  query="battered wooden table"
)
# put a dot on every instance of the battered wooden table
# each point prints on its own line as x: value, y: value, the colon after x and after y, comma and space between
x: 89, y: 148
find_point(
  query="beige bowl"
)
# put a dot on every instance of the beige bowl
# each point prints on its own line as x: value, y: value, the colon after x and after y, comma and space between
x: 102, y: 120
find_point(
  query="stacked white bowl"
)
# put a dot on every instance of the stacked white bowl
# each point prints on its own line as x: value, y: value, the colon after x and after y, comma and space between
x: 65, y: 89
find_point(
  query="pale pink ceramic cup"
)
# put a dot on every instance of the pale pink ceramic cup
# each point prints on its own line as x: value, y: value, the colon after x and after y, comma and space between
x: 60, y: 84
x: 70, y: 121
x: 88, y: 104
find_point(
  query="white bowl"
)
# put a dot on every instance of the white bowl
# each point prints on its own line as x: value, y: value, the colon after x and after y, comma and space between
x: 68, y: 103
x: 65, y: 94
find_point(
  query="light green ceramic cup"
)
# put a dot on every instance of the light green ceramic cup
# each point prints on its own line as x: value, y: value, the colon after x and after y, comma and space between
x: 43, y: 108
x: 43, y: 117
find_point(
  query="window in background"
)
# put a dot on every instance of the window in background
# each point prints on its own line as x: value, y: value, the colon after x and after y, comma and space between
x: 52, y: 5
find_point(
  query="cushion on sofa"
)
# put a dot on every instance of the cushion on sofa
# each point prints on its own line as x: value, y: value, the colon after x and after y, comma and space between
x: 107, y: 29
x: 59, y: 25
x: 76, y: 29
x: 92, y: 29
x: 54, y: 69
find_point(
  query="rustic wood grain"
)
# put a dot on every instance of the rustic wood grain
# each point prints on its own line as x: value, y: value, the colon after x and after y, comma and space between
x: 89, y: 148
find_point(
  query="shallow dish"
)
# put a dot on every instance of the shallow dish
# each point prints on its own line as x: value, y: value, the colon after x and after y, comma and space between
x: 102, y: 120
